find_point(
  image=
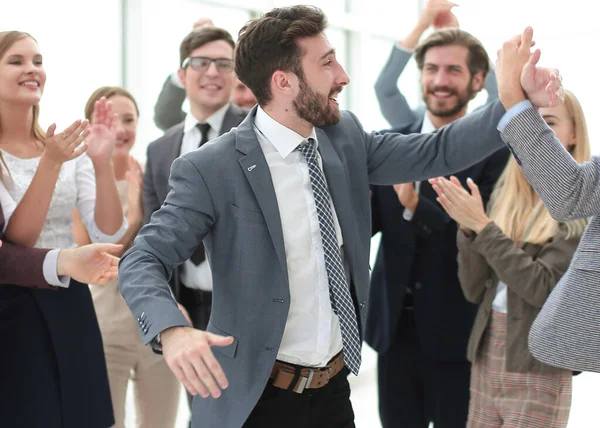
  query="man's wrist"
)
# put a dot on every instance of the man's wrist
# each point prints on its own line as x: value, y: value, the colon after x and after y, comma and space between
x: 63, y: 262
x: 411, y: 205
x: 512, y: 97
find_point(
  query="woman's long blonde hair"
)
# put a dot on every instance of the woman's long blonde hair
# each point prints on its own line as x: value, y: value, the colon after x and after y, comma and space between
x: 7, y: 40
x: 515, y: 207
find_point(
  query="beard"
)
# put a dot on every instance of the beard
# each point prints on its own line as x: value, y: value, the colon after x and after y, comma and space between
x: 314, y: 108
x: 442, y: 108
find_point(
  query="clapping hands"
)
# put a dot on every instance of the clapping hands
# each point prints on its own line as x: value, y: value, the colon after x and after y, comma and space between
x: 463, y: 207
x: 66, y: 145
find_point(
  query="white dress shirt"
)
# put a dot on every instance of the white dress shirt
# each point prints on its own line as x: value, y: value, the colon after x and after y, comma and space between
x: 312, y: 332
x: 426, y: 128
x: 199, y: 277
x: 500, y: 303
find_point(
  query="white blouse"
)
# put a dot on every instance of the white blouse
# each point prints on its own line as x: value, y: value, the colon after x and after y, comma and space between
x: 75, y: 187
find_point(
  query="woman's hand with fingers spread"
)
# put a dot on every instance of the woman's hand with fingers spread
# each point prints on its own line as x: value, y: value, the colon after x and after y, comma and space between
x: 103, y: 135
x: 66, y: 145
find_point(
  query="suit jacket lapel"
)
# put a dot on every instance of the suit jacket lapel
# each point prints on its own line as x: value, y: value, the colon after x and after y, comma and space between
x: 338, y: 188
x: 174, y: 148
x: 233, y: 117
x: 257, y: 173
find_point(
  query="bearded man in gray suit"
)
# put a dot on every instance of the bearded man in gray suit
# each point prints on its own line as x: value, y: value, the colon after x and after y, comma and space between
x: 282, y: 206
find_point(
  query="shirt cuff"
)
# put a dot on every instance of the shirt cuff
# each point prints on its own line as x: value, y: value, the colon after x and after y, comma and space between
x: 513, y: 112
x: 407, y: 215
x: 175, y: 80
x: 96, y: 235
x: 50, y: 270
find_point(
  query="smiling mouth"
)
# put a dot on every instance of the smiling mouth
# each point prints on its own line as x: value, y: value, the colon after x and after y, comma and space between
x: 30, y: 84
x: 211, y: 87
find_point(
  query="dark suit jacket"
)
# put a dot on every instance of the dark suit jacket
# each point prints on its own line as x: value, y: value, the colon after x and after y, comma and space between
x: 161, y: 154
x: 52, y: 367
x: 19, y: 265
x: 422, y: 253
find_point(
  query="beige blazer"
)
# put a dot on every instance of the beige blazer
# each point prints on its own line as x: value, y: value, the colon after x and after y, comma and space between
x: 530, y: 272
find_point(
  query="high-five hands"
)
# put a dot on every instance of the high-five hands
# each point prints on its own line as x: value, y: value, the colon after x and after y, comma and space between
x: 520, y: 78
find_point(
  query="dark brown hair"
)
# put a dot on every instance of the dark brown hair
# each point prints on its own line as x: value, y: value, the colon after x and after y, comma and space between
x: 200, y: 37
x: 477, y: 59
x: 269, y: 43
x: 107, y: 92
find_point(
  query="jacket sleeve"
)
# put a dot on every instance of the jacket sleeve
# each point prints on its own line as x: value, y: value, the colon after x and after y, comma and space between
x: 22, y: 266
x: 167, y: 110
x: 532, y: 278
x: 569, y: 190
x: 473, y: 269
x: 392, y: 103
x: 149, y: 197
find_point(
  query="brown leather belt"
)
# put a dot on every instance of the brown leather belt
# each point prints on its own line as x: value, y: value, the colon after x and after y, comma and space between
x: 298, y: 378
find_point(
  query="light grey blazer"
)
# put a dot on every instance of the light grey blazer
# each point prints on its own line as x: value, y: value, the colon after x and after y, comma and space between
x: 223, y: 194
x: 566, y: 333
x: 392, y: 103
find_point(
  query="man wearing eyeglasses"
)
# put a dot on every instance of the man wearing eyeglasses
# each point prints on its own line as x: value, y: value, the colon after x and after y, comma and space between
x: 206, y: 72
x: 168, y: 108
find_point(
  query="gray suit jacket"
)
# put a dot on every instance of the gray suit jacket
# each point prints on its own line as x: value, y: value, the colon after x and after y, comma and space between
x: 162, y: 152
x: 565, y: 333
x: 223, y: 194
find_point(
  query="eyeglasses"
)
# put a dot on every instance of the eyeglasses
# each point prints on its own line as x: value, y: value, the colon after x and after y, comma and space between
x: 202, y: 63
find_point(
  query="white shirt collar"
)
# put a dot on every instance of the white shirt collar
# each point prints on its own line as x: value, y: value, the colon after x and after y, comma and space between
x: 283, y: 138
x: 215, y: 120
x: 427, y: 125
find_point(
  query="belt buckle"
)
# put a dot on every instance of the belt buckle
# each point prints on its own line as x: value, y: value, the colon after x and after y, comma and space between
x: 304, y: 382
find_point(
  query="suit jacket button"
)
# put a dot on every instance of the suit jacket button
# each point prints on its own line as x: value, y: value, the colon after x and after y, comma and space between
x: 488, y: 283
x: 418, y: 285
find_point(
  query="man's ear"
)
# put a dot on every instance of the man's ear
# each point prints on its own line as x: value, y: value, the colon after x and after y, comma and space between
x: 284, y: 82
x: 181, y: 76
x: 478, y: 81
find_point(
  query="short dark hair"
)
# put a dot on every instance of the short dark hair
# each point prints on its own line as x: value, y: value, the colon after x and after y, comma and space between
x: 268, y: 43
x: 477, y: 60
x: 200, y: 37
x: 107, y: 92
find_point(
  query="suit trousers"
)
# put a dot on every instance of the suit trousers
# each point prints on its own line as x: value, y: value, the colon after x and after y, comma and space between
x: 326, y: 407
x: 156, y: 389
x: 415, y: 390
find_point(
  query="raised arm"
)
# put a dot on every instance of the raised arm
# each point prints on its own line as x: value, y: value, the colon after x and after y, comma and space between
x: 569, y: 190
x: 395, y: 158
x: 392, y: 103
x: 167, y: 110
x: 27, y: 221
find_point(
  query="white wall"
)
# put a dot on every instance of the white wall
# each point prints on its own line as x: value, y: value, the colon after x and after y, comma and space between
x: 81, y: 46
